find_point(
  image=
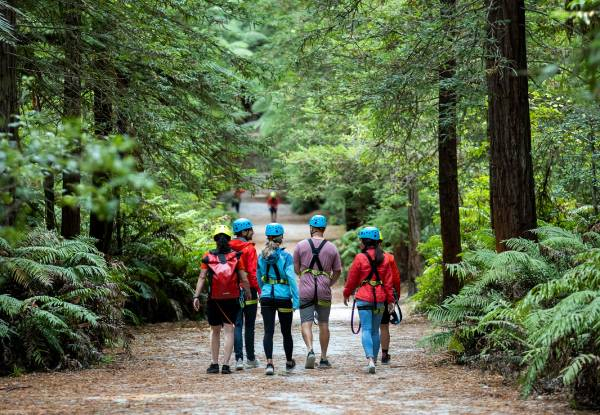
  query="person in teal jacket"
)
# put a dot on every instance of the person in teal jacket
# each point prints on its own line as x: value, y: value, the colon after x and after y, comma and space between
x: 279, y: 294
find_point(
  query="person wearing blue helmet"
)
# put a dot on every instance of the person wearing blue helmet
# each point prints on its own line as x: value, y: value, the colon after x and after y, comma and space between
x: 370, y: 279
x: 279, y: 294
x: 242, y: 242
x: 317, y: 262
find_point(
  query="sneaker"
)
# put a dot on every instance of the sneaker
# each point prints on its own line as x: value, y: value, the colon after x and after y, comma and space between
x: 239, y: 364
x: 225, y: 370
x: 213, y: 368
x: 270, y: 370
x: 310, y: 360
x: 290, y: 365
x: 324, y: 364
x: 251, y: 364
x: 385, y: 360
x: 371, y: 368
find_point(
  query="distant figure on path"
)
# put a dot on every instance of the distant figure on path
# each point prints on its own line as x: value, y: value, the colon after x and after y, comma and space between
x: 225, y: 271
x: 237, y: 199
x: 243, y: 230
x: 318, y: 263
x: 279, y: 294
x: 388, y: 318
x: 273, y: 203
x: 370, y: 276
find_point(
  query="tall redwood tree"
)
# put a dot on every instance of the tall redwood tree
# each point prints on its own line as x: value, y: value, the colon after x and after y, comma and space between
x: 9, y: 106
x: 511, y: 169
x: 71, y: 214
x: 447, y: 157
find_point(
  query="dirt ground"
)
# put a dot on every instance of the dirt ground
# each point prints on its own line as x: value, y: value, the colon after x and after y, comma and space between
x: 165, y: 373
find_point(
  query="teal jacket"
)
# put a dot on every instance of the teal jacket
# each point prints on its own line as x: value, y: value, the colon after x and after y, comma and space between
x: 288, y: 290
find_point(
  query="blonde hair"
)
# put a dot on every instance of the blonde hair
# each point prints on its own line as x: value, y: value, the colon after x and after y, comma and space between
x: 271, y: 246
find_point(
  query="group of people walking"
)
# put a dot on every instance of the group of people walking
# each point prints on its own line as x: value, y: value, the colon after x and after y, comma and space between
x: 238, y: 280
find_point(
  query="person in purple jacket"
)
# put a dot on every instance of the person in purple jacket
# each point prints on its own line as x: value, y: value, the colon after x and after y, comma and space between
x: 317, y: 262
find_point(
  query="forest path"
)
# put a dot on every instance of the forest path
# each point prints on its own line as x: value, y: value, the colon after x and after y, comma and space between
x: 165, y: 372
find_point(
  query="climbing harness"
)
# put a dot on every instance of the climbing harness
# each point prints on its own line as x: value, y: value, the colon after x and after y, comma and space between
x: 316, y: 261
x: 277, y: 280
x: 373, y: 283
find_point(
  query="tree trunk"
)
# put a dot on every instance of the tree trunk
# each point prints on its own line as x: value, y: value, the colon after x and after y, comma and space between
x: 595, y: 184
x: 448, y: 164
x: 71, y: 214
x: 511, y: 168
x: 101, y: 226
x: 415, y: 266
x: 49, y: 200
x: 9, y: 108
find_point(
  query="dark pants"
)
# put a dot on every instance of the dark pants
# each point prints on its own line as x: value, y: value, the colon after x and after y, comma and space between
x: 248, y: 313
x: 286, y: 315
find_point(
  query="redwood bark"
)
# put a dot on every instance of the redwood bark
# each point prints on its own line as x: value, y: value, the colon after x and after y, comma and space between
x: 71, y: 214
x: 101, y: 227
x: 415, y: 266
x: 9, y: 108
x: 509, y: 130
x: 447, y: 157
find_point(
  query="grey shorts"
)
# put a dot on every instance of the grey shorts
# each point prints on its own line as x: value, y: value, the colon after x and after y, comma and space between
x: 308, y: 313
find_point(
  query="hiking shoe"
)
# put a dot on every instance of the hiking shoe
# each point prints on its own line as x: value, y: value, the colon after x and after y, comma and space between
x: 225, y: 370
x: 251, y: 364
x: 290, y: 365
x: 371, y: 368
x: 213, y: 368
x: 310, y: 360
x: 239, y: 364
x: 385, y: 360
x: 324, y: 364
x: 270, y: 370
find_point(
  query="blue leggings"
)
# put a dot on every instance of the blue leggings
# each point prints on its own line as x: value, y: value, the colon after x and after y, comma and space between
x: 370, y: 321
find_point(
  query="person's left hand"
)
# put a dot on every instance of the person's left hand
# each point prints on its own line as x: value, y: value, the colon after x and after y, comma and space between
x: 346, y: 299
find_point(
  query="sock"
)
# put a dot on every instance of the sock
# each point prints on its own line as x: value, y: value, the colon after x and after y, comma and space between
x: 384, y: 352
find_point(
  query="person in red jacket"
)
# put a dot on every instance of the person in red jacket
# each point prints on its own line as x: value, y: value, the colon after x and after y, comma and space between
x: 370, y: 280
x: 243, y: 230
x: 273, y: 203
x: 385, y: 319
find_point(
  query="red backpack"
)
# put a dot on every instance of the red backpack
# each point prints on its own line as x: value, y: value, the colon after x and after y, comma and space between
x: 223, y: 278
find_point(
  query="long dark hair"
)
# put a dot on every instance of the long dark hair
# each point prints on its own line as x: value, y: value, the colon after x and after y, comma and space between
x: 370, y: 243
x: 222, y: 241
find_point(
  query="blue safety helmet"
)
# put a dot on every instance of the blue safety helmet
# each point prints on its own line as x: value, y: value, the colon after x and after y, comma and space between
x: 274, y: 229
x: 370, y: 232
x: 318, y: 221
x: 241, y: 224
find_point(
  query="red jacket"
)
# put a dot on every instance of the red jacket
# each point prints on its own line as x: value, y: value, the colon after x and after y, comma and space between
x: 359, y: 270
x: 395, y: 272
x: 249, y: 257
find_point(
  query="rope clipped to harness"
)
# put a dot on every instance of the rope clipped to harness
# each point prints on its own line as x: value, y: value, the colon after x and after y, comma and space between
x: 352, y: 320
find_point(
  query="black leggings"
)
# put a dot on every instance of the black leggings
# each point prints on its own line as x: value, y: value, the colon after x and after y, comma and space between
x: 285, y: 322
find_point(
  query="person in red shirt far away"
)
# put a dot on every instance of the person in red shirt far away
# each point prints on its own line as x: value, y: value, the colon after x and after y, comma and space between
x: 273, y: 203
x: 236, y: 200
x: 225, y: 271
x: 243, y: 230
x: 385, y: 320
x: 370, y: 280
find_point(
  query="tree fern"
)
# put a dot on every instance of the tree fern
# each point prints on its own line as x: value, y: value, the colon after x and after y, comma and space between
x: 59, y: 306
x: 537, y: 305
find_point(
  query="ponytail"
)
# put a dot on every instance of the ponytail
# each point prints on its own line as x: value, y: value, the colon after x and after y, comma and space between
x: 272, y: 244
x: 222, y: 241
x: 370, y: 243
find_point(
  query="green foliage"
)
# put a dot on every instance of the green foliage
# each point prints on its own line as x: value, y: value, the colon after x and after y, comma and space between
x: 59, y: 305
x: 534, y: 308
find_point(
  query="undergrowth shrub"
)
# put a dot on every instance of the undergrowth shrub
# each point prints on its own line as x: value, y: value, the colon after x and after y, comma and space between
x: 534, y: 310
x: 59, y: 306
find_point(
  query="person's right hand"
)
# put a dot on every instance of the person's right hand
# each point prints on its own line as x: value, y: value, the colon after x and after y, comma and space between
x: 196, y: 304
x: 346, y: 299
